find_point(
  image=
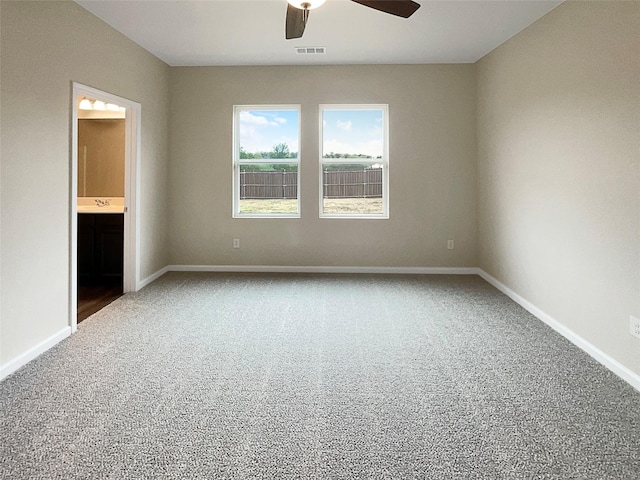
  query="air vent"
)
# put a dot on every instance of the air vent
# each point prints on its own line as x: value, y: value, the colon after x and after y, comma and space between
x: 313, y: 50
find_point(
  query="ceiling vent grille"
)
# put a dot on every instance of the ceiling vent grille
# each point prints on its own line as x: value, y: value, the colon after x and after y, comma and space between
x: 312, y: 50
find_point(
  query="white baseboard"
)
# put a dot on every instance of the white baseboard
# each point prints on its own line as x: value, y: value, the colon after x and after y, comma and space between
x: 612, y: 364
x: 324, y: 269
x: 151, y: 278
x: 33, y: 352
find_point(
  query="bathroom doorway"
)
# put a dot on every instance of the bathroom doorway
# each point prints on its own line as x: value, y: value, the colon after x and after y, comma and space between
x: 105, y: 150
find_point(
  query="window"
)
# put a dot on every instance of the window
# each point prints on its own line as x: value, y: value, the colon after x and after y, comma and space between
x: 265, y: 161
x: 354, y: 169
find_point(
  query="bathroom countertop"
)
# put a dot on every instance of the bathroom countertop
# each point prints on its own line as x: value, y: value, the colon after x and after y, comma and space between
x: 100, y: 205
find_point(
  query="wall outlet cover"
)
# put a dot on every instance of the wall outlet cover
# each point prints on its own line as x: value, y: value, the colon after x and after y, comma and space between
x: 634, y: 326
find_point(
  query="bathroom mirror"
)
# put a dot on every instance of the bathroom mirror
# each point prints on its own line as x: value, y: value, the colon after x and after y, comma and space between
x: 101, y: 149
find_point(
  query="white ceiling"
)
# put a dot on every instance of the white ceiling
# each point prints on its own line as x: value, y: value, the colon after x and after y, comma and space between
x: 251, y: 32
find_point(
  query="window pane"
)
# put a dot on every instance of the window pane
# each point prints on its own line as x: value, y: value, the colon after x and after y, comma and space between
x: 354, y: 161
x: 268, y: 188
x: 266, y: 160
x: 352, y: 188
x: 268, y: 134
x: 352, y: 133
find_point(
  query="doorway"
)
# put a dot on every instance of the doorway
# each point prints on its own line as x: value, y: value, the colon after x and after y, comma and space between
x: 104, y: 182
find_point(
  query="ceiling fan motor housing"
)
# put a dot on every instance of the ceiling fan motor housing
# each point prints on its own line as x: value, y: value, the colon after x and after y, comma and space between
x: 306, y: 4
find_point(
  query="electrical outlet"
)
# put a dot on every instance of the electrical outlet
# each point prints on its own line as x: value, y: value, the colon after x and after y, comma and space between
x: 236, y: 243
x: 450, y: 244
x: 634, y: 326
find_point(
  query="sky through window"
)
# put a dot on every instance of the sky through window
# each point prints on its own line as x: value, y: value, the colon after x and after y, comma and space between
x: 261, y: 130
x: 353, y: 131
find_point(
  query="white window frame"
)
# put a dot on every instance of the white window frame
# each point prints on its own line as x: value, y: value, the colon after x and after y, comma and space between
x: 373, y: 161
x: 237, y: 161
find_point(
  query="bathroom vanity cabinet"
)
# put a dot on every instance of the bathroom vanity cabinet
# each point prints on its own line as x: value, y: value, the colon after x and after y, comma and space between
x: 100, y: 248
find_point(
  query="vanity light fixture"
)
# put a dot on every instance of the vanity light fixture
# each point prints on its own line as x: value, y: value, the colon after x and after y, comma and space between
x: 91, y: 104
x: 85, y: 104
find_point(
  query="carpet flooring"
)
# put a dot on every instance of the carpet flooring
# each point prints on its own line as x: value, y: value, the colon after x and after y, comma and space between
x: 244, y: 376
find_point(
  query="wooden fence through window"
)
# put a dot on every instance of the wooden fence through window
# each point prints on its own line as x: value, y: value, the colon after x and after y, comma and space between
x: 268, y: 184
x: 366, y: 183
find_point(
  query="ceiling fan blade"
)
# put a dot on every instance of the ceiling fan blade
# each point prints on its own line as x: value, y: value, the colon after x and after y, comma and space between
x: 296, y: 21
x: 400, y: 8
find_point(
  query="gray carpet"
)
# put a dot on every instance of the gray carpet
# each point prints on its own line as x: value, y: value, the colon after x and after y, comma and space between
x: 317, y: 377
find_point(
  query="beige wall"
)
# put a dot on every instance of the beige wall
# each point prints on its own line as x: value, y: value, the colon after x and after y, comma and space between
x: 559, y: 169
x: 44, y: 47
x: 432, y: 167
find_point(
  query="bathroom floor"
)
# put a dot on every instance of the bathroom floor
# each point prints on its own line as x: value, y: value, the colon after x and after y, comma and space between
x: 92, y: 298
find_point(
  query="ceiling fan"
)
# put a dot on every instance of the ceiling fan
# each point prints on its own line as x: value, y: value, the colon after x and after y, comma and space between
x: 298, y: 12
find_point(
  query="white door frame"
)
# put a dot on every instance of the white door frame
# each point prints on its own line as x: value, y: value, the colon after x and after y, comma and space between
x: 131, y: 186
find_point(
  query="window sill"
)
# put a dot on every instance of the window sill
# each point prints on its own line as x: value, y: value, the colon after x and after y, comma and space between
x: 266, y: 215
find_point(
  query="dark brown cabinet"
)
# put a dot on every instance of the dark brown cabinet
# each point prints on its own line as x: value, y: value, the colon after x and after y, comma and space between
x: 100, y: 248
